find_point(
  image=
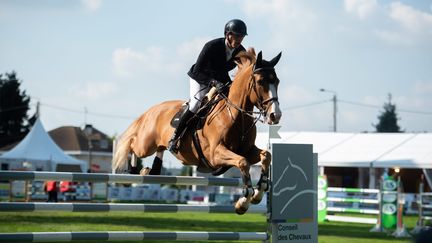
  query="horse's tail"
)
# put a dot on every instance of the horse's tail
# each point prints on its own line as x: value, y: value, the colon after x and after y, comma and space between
x: 123, y: 147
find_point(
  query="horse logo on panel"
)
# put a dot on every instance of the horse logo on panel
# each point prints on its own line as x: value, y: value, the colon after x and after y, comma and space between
x: 295, y: 178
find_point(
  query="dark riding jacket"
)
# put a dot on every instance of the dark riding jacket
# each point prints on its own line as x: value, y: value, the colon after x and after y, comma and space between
x: 212, y: 63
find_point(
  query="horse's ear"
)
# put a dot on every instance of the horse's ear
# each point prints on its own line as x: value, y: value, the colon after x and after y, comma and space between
x: 275, y: 60
x: 258, y: 63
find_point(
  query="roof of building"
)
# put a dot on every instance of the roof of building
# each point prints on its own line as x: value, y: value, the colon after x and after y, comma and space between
x: 71, y: 138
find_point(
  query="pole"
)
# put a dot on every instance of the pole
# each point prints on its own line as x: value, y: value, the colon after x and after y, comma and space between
x: 334, y: 99
x: 334, y: 112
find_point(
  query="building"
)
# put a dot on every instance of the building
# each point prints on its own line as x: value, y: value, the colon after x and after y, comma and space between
x: 88, y: 144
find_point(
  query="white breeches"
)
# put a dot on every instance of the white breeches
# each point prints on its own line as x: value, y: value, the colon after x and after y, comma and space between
x: 197, y: 92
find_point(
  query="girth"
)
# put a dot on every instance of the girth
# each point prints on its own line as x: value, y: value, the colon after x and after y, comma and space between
x: 194, y: 125
x: 203, y: 159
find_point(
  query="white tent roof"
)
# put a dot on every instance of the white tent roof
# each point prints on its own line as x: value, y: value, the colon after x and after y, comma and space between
x: 38, y: 146
x: 415, y: 152
x: 380, y: 150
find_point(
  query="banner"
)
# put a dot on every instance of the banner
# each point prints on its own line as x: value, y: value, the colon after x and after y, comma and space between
x: 322, y: 198
x: 389, y: 203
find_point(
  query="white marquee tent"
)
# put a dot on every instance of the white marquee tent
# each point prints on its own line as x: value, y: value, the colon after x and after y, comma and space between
x: 365, y: 150
x: 37, y: 151
x: 376, y: 150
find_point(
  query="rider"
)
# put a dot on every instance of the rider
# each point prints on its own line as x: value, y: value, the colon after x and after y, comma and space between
x: 211, y: 69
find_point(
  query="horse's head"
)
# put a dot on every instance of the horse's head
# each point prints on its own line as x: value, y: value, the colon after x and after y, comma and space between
x: 265, y: 86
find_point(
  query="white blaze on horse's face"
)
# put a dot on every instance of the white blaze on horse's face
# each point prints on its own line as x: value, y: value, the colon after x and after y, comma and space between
x: 267, y: 79
x: 274, y: 112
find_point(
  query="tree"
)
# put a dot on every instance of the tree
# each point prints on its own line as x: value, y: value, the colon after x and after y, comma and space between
x: 388, y: 118
x: 14, y: 105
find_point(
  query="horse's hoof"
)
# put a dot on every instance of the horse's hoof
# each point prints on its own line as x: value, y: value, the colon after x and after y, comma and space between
x: 241, y: 206
x: 257, y: 197
x: 241, y: 211
x: 256, y: 200
x: 145, y: 171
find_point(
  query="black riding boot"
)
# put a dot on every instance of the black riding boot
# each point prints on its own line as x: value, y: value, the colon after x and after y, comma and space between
x: 172, y: 146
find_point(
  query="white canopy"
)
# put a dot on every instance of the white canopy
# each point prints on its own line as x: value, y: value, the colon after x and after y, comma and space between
x: 378, y: 150
x: 38, y: 146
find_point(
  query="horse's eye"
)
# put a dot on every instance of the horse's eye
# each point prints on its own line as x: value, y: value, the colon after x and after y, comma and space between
x: 260, y: 81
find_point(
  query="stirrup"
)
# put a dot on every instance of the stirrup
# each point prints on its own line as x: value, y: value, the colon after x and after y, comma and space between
x: 172, y: 146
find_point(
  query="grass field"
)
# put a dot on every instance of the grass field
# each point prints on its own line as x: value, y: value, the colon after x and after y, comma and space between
x: 138, y: 221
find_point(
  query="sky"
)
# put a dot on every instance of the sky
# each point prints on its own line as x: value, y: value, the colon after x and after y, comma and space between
x: 106, y: 62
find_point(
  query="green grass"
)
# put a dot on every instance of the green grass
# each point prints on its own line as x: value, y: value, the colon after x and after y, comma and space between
x: 139, y: 221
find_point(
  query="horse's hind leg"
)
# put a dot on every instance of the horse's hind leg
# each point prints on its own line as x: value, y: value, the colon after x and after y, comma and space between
x: 133, y: 163
x: 156, y: 166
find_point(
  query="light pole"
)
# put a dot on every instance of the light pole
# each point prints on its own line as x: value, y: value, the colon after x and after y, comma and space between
x: 334, y: 106
x: 88, y: 130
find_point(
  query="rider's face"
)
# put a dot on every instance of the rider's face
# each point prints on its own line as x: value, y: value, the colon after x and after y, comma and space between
x: 234, y: 40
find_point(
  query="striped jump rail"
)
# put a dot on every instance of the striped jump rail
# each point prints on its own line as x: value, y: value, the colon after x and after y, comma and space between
x: 359, y: 198
x: 353, y: 200
x: 111, y: 207
x: 349, y: 219
x: 123, y: 235
x: 424, y: 209
x: 352, y: 190
x: 352, y: 210
x: 129, y: 235
x: 119, y: 178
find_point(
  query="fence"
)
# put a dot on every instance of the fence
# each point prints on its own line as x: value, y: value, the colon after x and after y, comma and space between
x: 97, y: 207
x: 424, y: 202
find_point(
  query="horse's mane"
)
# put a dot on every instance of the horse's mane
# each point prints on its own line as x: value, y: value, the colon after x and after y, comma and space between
x: 245, y: 59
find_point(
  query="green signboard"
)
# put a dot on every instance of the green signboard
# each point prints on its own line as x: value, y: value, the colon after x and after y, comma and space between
x: 322, y: 198
x: 389, y: 203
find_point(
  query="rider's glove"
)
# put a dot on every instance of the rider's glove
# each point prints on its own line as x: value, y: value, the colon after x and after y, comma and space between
x: 220, y: 87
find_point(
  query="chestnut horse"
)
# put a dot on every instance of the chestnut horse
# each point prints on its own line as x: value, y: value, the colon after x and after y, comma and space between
x: 227, y: 138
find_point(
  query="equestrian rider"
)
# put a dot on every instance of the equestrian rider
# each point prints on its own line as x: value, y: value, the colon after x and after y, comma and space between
x: 211, y: 70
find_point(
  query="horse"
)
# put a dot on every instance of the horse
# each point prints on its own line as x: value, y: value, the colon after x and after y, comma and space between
x: 227, y: 138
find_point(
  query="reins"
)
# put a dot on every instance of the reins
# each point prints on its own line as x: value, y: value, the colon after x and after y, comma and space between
x: 255, y: 115
x: 262, y: 111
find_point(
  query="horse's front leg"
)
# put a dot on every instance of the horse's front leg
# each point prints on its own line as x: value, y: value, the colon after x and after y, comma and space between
x: 225, y: 157
x: 258, y: 155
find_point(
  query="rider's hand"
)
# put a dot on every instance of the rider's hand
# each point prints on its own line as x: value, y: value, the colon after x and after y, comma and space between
x: 218, y: 85
x: 211, y: 93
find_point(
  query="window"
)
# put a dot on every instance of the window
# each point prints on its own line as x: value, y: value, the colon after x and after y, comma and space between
x: 4, y: 166
x: 103, y: 143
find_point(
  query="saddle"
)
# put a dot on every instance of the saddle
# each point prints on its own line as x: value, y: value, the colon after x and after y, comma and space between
x: 197, y: 123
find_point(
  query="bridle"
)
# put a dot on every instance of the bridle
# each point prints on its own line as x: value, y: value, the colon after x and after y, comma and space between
x: 262, y: 105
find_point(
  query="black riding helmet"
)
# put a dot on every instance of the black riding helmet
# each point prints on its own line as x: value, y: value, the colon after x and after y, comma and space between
x: 236, y: 26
